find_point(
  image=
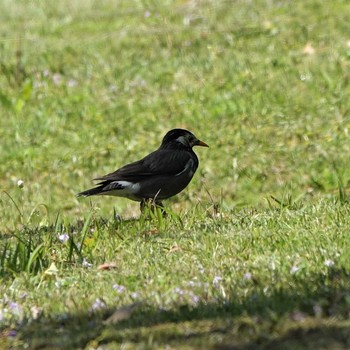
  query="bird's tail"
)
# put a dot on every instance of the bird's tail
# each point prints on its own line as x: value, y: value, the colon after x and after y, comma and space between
x: 91, y: 192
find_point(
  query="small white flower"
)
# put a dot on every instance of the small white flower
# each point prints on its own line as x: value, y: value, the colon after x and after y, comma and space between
x: 329, y: 262
x: 217, y: 280
x: 36, y: 311
x: 191, y: 283
x: 201, y: 269
x: 135, y: 295
x: 298, y: 316
x: 20, y: 183
x: 113, y: 88
x: 72, y: 83
x: 318, y: 310
x: 179, y: 291
x: 63, y: 237
x: 86, y: 264
x: 57, y: 78
x: 37, y: 84
x: 305, y: 77
x: 294, y: 269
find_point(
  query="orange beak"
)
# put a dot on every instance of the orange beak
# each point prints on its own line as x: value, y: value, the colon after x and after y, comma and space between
x: 201, y: 143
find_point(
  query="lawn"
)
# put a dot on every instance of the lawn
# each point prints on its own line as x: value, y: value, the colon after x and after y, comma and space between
x: 255, y: 253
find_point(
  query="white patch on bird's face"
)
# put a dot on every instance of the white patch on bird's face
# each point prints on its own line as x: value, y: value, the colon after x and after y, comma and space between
x: 183, y: 140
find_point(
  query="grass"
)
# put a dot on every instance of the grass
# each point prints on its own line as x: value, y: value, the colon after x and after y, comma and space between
x: 254, y: 254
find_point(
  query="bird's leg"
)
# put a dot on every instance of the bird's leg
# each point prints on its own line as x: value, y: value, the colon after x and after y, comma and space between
x: 143, y: 205
x: 160, y: 205
x: 152, y: 205
x: 147, y: 206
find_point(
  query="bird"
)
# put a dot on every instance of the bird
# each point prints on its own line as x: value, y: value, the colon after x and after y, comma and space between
x: 158, y: 176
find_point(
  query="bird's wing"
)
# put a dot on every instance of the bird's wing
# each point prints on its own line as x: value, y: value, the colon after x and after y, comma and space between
x: 160, y: 162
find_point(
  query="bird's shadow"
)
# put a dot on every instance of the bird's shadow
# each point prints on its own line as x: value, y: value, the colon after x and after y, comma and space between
x: 254, y: 320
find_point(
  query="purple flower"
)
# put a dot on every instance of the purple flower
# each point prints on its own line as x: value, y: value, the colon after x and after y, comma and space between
x: 217, y: 280
x: 13, y: 305
x: 195, y: 298
x: 120, y: 289
x: 16, y: 309
x: 247, y: 276
x: 63, y: 237
x: 98, y: 304
x: 179, y: 291
x: 12, y: 333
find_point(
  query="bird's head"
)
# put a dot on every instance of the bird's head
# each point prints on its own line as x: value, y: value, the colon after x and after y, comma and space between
x: 180, y: 138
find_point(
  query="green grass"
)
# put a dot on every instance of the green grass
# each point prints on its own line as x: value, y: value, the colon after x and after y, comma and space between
x: 254, y: 253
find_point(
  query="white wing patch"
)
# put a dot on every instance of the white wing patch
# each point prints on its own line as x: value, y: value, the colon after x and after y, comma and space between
x: 122, y: 189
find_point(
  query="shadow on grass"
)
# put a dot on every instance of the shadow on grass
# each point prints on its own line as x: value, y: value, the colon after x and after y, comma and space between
x: 313, y: 316
x: 316, y: 337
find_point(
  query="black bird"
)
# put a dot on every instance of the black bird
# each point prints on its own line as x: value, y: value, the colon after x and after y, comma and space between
x: 160, y: 175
